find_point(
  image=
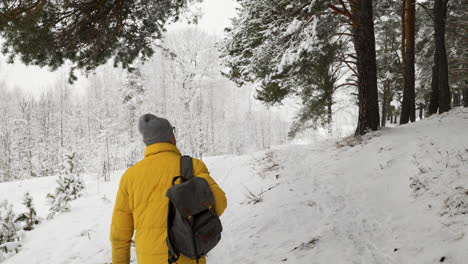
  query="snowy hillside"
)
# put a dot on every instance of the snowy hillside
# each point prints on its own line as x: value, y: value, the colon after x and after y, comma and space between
x: 401, y: 196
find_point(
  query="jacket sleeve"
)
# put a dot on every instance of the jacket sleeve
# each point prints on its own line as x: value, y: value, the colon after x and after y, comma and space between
x: 122, y: 226
x: 200, y: 170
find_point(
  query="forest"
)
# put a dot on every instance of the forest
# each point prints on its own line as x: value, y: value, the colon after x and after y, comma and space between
x: 335, y: 129
x: 211, y: 115
x: 401, y: 56
x: 396, y: 60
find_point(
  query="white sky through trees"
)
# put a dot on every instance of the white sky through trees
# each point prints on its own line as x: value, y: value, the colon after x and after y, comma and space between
x: 34, y: 80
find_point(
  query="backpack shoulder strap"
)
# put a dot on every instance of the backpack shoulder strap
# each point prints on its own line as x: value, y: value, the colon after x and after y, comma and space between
x: 186, y: 168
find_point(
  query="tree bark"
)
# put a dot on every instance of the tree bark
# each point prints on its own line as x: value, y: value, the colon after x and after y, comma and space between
x: 385, y: 85
x: 421, y: 111
x: 465, y: 95
x: 456, y: 99
x: 384, y: 104
x: 364, y: 45
x: 408, y: 108
x: 330, y: 114
x: 440, y: 14
x: 403, y: 34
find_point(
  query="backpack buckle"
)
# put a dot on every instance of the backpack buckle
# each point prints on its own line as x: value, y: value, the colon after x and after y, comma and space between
x: 189, y: 215
x: 190, y: 219
x: 210, y: 207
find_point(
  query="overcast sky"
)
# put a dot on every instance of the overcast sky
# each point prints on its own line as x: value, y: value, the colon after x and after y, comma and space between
x: 34, y: 80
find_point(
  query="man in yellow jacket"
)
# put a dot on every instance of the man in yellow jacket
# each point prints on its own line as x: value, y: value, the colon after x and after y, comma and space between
x: 141, y: 205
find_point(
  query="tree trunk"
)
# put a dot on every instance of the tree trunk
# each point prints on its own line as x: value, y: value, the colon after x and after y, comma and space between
x: 408, y: 108
x: 465, y: 95
x: 403, y: 34
x: 434, y: 102
x: 330, y: 114
x: 440, y: 13
x: 364, y: 45
x: 384, y: 104
x: 385, y: 85
x: 456, y: 99
x: 421, y: 111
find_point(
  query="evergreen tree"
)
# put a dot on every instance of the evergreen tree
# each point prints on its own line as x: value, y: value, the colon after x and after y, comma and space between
x: 287, y: 48
x: 8, y: 228
x: 28, y: 218
x: 389, y: 63
x: 359, y: 15
x: 48, y: 33
x: 408, y: 107
x: 59, y: 201
x: 70, y: 186
x: 425, y: 61
x: 457, y: 48
x: 440, y: 55
x: 454, y: 15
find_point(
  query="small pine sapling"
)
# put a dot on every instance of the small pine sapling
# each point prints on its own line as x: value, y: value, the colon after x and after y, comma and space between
x: 9, y: 235
x: 71, y: 171
x: 70, y: 186
x: 59, y: 200
x: 28, y: 218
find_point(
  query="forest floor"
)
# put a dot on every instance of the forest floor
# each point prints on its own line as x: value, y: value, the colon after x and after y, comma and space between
x: 395, y: 196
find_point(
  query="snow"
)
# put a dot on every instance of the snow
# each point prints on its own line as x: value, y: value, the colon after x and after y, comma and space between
x: 325, y: 203
x: 294, y: 26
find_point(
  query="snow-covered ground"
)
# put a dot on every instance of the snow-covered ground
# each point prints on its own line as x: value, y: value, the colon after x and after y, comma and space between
x: 400, y: 196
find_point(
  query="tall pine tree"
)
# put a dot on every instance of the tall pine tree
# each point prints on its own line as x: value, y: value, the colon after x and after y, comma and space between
x: 287, y: 48
x: 86, y: 33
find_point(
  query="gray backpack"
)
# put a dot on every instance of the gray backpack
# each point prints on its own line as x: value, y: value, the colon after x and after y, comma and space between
x: 193, y: 228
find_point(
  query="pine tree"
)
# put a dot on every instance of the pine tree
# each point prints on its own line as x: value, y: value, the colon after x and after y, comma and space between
x: 59, y: 200
x: 28, y: 218
x: 389, y: 63
x: 360, y: 16
x: 48, y: 33
x: 72, y: 182
x: 440, y: 55
x: 408, y: 107
x: 287, y: 48
x: 70, y: 186
x: 9, y: 235
x: 457, y: 49
x: 439, y: 18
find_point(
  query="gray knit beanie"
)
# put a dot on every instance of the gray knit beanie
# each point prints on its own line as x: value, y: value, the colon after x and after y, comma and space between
x: 154, y: 129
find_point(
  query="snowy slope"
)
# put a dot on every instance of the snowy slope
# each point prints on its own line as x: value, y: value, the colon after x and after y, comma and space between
x: 401, y: 196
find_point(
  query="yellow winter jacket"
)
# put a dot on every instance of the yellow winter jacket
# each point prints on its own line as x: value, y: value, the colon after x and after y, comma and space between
x: 142, y: 205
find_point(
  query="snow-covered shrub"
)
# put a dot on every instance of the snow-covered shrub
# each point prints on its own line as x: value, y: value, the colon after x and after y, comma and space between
x: 70, y: 187
x: 28, y: 218
x: 59, y: 202
x: 9, y: 230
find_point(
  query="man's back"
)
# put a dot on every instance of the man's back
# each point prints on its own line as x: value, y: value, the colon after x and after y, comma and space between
x: 142, y: 205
